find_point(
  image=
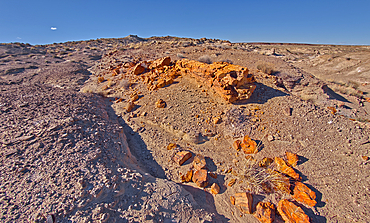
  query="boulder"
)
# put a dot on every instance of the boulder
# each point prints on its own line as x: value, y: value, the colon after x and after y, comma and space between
x: 291, y: 212
x: 265, y: 212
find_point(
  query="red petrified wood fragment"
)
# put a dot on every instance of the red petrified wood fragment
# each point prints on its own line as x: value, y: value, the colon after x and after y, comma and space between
x: 291, y: 212
x: 304, y: 195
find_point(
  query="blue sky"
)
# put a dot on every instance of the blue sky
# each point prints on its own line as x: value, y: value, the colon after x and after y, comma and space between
x: 298, y: 21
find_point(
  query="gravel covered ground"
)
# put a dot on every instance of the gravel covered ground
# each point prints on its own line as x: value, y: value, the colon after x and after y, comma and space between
x: 70, y: 150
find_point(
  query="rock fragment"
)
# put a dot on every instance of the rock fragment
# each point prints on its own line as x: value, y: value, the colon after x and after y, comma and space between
x: 244, y: 202
x: 265, y: 212
x: 138, y: 69
x: 160, y: 104
x: 265, y: 162
x: 284, y: 168
x: 187, y: 177
x: 129, y: 106
x: 199, y: 162
x: 216, y: 120
x: 215, y: 189
x: 291, y: 212
x: 232, y: 200
x: 248, y: 145
x: 200, y: 177
x: 304, y: 195
x: 292, y: 158
x: 165, y: 61
x: 181, y: 157
x: 236, y: 144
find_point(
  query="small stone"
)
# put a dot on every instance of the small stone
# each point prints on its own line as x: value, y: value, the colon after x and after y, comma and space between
x: 365, y: 158
x: 292, y: 159
x: 129, y: 106
x: 200, y: 177
x: 171, y: 146
x: 270, y: 138
x: 284, y: 168
x: 291, y: 212
x: 265, y: 162
x: 215, y: 189
x: 231, y: 182
x: 232, y: 200
x: 287, y: 111
x: 160, y: 104
x: 138, y: 69
x: 244, y: 202
x: 187, y: 177
x: 236, y: 144
x: 199, y: 162
x: 265, y: 212
x: 216, y: 120
x: 181, y: 157
x: 304, y: 195
x: 248, y: 145
x: 134, y: 97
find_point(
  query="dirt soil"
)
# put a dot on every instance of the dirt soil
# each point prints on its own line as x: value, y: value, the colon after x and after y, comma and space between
x: 70, y: 150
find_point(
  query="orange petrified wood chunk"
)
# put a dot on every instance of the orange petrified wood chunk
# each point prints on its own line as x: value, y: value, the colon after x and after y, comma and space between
x: 292, y: 158
x: 200, y: 177
x: 284, y: 168
x: 248, y: 145
x: 291, y: 212
x: 199, y: 162
x: 304, y: 195
x: 265, y: 212
x: 181, y: 157
x: 244, y: 202
x: 231, y: 82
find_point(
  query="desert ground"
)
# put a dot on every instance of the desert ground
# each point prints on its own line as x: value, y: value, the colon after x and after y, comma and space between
x: 92, y: 131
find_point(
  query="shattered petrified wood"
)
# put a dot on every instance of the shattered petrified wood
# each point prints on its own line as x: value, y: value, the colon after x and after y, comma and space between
x: 181, y: 157
x: 244, y: 202
x: 304, y: 195
x: 265, y: 212
x: 199, y: 162
x: 248, y: 145
x: 231, y: 82
x: 291, y: 212
x: 284, y: 168
x: 200, y: 177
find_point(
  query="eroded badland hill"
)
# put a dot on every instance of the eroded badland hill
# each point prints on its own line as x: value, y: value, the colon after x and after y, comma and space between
x: 169, y: 129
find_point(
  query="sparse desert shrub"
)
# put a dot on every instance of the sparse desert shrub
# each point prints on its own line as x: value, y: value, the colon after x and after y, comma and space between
x: 266, y: 68
x: 205, y: 59
x: 262, y: 180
